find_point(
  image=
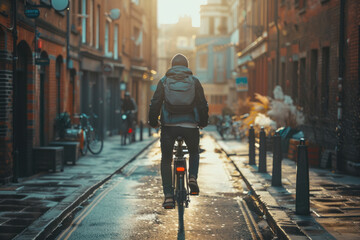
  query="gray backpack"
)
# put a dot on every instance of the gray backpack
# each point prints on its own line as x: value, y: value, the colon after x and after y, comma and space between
x: 179, y: 94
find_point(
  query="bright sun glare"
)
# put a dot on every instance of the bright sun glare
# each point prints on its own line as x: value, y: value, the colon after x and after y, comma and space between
x: 169, y: 11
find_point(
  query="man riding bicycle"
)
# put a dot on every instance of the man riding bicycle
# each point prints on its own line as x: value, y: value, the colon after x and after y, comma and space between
x: 129, y: 107
x: 180, y: 99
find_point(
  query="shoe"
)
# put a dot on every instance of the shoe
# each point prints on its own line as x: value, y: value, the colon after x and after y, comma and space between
x: 169, y: 202
x: 194, y: 188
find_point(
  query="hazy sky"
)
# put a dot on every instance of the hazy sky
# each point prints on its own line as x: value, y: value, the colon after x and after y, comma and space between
x: 169, y: 11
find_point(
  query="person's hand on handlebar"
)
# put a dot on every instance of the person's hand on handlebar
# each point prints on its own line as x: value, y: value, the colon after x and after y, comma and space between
x: 155, y: 126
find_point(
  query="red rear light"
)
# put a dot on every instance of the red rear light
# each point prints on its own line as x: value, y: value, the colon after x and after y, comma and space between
x: 130, y: 130
x: 180, y: 169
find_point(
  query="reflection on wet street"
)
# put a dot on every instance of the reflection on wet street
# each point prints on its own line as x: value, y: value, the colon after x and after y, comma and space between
x: 130, y: 205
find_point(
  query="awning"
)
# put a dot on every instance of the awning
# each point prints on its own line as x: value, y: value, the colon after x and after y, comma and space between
x: 244, y: 59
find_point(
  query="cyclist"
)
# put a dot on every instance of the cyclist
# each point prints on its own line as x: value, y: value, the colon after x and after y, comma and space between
x: 129, y: 107
x: 179, y: 97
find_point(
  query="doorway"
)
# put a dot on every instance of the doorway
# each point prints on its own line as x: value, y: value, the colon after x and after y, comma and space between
x: 43, y: 79
x: 24, y: 71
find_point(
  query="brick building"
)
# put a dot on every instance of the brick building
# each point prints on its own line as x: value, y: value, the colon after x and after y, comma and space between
x: 78, y: 60
x: 253, y: 46
x: 312, y: 53
x: 41, y: 90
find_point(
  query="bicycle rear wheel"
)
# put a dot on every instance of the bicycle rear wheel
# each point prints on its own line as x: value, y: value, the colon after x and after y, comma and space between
x: 96, y: 143
x: 181, y: 197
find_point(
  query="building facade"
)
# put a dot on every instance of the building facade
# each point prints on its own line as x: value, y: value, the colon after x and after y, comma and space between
x: 314, y: 55
x: 213, y: 54
x: 173, y: 39
x: 80, y: 60
x: 253, y: 46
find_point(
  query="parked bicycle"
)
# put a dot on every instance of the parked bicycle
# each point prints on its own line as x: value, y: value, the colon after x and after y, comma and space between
x: 127, y: 128
x: 92, y: 137
x: 88, y: 136
x: 230, y: 127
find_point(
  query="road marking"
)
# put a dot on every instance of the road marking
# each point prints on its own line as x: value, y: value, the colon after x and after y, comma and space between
x: 250, y: 219
x: 76, y: 222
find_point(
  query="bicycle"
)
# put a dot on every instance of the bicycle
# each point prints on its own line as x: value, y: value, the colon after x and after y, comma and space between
x: 127, y: 128
x: 92, y: 139
x: 180, y: 180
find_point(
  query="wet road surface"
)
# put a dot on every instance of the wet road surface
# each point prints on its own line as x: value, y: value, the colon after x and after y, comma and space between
x: 129, y: 205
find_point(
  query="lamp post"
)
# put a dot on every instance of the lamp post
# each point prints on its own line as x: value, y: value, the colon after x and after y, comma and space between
x: 14, y: 35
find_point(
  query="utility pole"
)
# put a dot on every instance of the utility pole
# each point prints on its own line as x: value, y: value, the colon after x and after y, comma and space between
x: 340, y: 127
x: 276, y: 13
x: 15, y: 152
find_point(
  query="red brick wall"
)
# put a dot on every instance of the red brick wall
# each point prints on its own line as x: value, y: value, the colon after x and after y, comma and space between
x: 301, y: 31
x: 352, y: 82
x: 54, y: 46
x: 313, y: 28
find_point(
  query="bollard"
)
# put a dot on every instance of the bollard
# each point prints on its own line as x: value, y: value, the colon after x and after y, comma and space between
x: 149, y: 131
x: 141, y: 130
x: 262, y: 151
x: 302, y: 180
x: 277, y: 158
x: 251, y: 145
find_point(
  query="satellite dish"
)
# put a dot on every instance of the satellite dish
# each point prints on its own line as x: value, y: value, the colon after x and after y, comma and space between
x: 114, y: 14
x: 60, y: 5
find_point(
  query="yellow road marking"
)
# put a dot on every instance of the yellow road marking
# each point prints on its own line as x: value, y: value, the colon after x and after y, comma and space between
x: 76, y: 222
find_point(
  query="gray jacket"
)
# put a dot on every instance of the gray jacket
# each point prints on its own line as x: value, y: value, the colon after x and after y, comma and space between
x: 200, y: 114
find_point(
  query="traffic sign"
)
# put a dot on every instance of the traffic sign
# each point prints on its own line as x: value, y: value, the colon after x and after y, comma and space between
x: 32, y: 12
x: 42, y: 61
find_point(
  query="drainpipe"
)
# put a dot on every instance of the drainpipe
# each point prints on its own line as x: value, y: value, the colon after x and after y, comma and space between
x: 340, y: 127
x: 276, y: 13
x: 67, y: 38
x: 15, y: 152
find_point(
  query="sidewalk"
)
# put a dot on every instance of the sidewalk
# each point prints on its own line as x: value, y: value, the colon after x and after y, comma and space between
x: 334, y: 198
x: 33, y: 208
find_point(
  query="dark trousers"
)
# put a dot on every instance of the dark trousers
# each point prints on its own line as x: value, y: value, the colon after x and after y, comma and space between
x: 168, y: 137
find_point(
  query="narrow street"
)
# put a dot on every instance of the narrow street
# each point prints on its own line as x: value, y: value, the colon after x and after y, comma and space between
x: 129, y: 205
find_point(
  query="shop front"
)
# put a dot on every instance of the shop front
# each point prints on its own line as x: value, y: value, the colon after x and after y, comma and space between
x: 113, y: 93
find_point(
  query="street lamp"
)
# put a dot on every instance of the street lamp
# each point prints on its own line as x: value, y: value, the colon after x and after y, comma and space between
x: 113, y: 15
x: 60, y: 5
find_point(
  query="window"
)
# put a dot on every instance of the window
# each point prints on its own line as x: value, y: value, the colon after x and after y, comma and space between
x: 302, y: 80
x: 271, y: 10
x: 203, y: 61
x: 58, y: 67
x: 211, y: 26
x: 283, y: 77
x: 2, y: 47
x: 294, y: 83
x: 91, y: 24
x: 325, y: 81
x: 314, y: 104
x: 97, y: 31
x: 116, y: 32
x: 137, y: 42
x: 301, y: 4
x: 106, y: 45
x: 83, y: 22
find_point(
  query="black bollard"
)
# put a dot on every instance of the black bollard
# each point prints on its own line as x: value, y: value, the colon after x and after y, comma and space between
x: 277, y: 158
x: 149, y: 131
x: 302, y: 180
x: 251, y: 145
x: 141, y: 130
x: 262, y: 151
